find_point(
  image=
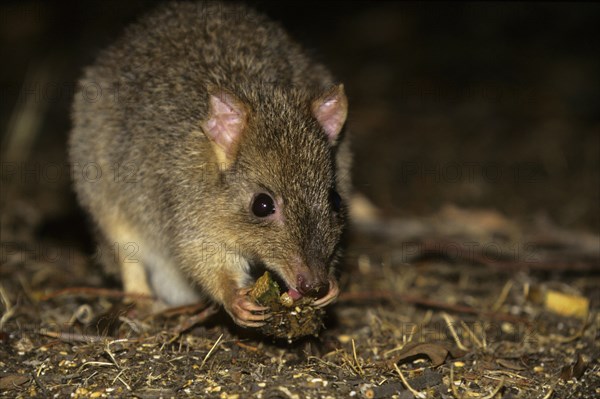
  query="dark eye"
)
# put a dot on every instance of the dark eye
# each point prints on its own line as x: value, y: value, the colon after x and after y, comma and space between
x: 336, y: 200
x: 263, y: 205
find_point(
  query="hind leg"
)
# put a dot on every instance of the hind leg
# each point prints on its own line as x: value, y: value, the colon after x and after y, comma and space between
x: 122, y: 256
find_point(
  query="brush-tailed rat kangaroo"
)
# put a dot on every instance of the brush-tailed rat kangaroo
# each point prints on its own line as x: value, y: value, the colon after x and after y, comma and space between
x: 217, y: 146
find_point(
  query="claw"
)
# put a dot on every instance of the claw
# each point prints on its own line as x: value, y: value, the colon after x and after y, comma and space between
x: 332, y: 294
x: 247, y: 313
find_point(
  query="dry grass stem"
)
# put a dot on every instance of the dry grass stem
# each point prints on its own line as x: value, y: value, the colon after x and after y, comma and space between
x: 9, y: 309
x: 503, y: 295
x: 358, y: 365
x: 212, y: 349
x: 449, y: 322
x: 416, y: 393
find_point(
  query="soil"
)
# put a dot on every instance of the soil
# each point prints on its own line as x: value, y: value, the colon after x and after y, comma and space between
x: 476, y: 273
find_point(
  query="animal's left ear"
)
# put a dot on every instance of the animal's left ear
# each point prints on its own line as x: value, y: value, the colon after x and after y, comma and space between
x: 331, y: 110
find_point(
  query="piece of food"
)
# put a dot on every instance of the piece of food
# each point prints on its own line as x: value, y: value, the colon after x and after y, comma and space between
x: 290, y: 320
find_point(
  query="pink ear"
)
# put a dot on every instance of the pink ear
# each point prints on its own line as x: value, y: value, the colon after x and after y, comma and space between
x: 226, y: 120
x: 331, y: 110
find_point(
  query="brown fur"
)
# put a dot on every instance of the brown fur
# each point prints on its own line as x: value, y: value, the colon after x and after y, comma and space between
x: 164, y: 187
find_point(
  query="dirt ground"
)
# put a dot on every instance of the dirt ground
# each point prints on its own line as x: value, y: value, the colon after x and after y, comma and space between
x: 472, y: 269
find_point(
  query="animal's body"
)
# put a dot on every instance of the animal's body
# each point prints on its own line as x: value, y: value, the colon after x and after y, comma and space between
x: 220, y: 144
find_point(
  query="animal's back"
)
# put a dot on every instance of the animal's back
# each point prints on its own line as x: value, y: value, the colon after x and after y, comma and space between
x: 148, y: 91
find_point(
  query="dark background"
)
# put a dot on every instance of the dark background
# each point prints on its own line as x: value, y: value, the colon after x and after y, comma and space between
x: 478, y: 105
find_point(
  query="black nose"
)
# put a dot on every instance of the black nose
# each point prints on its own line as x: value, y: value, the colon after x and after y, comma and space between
x: 311, y: 287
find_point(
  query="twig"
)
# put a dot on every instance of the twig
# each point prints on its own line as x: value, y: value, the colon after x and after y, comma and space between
x: 185, y: 309
x: 93, y: 291
x: 118, y: 377
x: 452, y: 386
x: 41, y: 385
x: 210, y: 351
x: 94, y: 364
x: 246, y: 346
x: 503, y: 295
x: 358, y: 365
x: 448, y: 321
x: 562, y: 339
x: 193, y: 320
x: 73, y: 337
x: 112, y: 357
x: 415, y: 393
x: 479, y: 344
x: 476, y: 255
x: 549, y: 394
x: 86, y: 381
x: 495, y: 391
x: 10, y: 310
x: 326, y: 363
x: 365, y: 296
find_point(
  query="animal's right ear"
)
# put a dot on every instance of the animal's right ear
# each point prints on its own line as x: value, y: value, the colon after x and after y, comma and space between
x: 331, y: 110
x: 224, y: 124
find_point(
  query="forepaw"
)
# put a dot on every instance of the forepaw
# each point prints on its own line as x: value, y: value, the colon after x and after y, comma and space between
x: 245, y: 312
x: 331, y: 296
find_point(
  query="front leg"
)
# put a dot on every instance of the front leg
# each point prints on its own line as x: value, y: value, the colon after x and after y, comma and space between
x: 245, y: 312
x: 225, y: 289
x: 224, y: 278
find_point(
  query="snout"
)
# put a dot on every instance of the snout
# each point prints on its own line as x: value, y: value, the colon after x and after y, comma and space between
x: 306, y: 280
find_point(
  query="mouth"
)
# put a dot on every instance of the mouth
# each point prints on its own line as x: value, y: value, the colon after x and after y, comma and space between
x: 257, y: 269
